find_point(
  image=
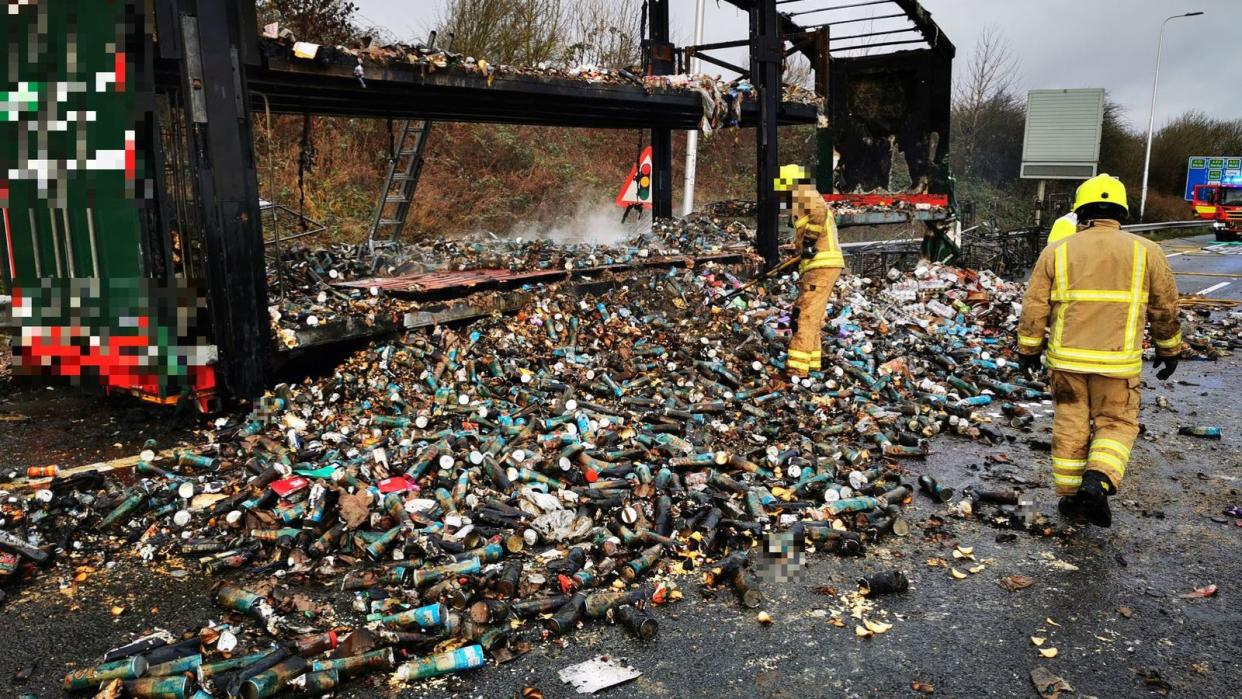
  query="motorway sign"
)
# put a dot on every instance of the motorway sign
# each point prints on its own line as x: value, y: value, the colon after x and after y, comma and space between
x: 1212, y: 169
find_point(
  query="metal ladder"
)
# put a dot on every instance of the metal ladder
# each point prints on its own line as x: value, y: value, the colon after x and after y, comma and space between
x: 406, y: 162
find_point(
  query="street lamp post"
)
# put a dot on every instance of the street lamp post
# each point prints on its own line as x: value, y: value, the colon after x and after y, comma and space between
x: 692, y: 139
x: 1151, y: 118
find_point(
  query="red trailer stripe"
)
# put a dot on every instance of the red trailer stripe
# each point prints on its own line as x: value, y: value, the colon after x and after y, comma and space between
x: 119, y: 68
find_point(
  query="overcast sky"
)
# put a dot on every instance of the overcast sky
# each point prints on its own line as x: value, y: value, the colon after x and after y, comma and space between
x: 1057, y: 43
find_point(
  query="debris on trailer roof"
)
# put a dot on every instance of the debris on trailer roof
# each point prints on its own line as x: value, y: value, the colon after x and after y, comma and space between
x: 314, y: 287
x: 722, y: 98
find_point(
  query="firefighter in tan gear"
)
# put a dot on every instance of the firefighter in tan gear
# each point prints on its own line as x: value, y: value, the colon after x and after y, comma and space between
x: 815, y: 233
x: 1088, y: 300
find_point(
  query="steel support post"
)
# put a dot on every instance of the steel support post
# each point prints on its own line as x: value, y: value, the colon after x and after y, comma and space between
x: 214, y: 80
x: 767, y: 56
x: 823, y: 121
x: 660, y: 62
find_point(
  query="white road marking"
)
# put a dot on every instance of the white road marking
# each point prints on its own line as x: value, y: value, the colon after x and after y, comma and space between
x: 1214, y: 287
x: 1175, y: 254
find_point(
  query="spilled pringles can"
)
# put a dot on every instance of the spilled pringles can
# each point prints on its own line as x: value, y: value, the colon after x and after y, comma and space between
x: 1205, y: 431
x: 316, y: 683
x: 355, y: 665
x: 172, y: 687
x: 567, y: 616
x: 271, y: 681
x: 92, y: 677
x: 467, y: 658
x: 639, y: 622
x: 426, y: 617
x: 884, y: 583
x: 928, y: 485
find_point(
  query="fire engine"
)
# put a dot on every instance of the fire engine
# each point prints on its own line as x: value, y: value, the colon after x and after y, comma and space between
x: 1222, y: 205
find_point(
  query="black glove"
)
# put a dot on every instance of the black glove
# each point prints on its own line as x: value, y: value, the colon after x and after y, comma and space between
x: 1031, y: 364
x: 1170, y: 366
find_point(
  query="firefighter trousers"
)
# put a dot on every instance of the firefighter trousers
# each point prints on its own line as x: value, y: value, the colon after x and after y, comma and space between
x: 1093, y: 428
x: 814, y: 289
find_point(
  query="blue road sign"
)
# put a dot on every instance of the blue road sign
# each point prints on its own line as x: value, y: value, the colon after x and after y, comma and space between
x: 1212, y: 169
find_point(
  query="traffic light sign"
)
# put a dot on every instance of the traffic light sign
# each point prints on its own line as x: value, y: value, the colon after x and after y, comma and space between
x: 637, y: 188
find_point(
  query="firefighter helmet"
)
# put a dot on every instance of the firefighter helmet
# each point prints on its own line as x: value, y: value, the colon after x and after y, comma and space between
x: 790, y: 176
x: 1101, y: 189
x: 1063, y: 228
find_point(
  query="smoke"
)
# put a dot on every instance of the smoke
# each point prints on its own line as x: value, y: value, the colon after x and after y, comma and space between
x: 592, y: 224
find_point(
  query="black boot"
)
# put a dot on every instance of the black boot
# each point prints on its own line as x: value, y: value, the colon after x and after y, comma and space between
x: 1071, y: 509
x: 1093, y: 497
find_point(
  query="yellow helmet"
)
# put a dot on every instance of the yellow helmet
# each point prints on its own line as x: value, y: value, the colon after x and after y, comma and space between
x: 1101, y: 189
x: 1063, y: 228
x: 789, y: 176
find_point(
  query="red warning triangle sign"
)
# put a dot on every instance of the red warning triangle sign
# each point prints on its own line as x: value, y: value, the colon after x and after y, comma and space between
x: 637, y: 188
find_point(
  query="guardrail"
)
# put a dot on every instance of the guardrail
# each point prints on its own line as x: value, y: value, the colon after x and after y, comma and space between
x: 1165, y: 225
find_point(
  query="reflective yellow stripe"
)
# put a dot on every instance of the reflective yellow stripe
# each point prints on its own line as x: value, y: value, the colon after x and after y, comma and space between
x: 823, y: 258
x: 1104, y: 443
x: 795, y: 364
x: 1171, y: 343
x: 1132, y: 369
x: 1109, y: 459
x: 1106, y: 458
x: 1101, y: 356
x: 1028, y: 341
x: 1097, y: 295
x: 799, y: 354
x: 1137, y: 276
x: 1061, y: 265
x: 1068, y: 464
x: 802, y: 221
x: 1067, y: 480
x: 813, y: 228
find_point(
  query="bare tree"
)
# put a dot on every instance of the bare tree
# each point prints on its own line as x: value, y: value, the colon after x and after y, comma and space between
x: 984, y: 103
x: 323, y: 22
x: 516, y: 32
x: 607, y: 33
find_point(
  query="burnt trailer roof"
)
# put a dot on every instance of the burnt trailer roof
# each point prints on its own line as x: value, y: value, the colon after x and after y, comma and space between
x: 328, y: 86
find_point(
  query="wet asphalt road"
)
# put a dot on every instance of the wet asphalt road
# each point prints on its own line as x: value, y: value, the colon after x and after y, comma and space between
x: 1205, y: 267
x: 967, y: 638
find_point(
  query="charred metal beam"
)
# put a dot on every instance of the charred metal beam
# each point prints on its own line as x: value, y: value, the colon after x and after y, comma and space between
x: 879, y: 44
x: 861, y: 19
x: 824, y: 121
x: 871, y: 34
x: 660, y: 61
x: 723, y: 64
x: 923, y: 20
x: 227, y: 187
x: 767, y: 60
x: 835, y: 7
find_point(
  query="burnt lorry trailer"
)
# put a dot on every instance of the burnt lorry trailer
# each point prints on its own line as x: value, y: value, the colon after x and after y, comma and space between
x: 133, y: 243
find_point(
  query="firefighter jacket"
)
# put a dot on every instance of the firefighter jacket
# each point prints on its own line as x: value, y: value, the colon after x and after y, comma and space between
x: 816, y: 236
x: 1091, y: 294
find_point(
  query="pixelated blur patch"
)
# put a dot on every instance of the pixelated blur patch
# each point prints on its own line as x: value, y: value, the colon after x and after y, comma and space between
x: 780, y: 559
x: 15, y: 6
x: 123, y: 333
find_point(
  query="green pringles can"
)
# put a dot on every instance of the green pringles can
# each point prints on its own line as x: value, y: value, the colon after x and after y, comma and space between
x: 468, y: 658
x: 268, y: 683
x: 158, y: 687
x: 92, y: 677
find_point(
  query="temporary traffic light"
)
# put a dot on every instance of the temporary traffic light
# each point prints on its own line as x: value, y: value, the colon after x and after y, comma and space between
x: 637, y: 188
